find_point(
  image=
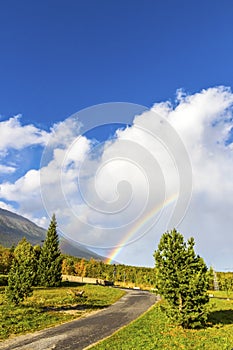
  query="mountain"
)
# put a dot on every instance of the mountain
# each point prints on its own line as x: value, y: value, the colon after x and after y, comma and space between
x: 14, y: 227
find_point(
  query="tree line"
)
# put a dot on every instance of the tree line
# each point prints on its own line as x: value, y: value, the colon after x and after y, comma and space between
x: 116, y: 272
x: 94, y: 268
x: 98, y: 269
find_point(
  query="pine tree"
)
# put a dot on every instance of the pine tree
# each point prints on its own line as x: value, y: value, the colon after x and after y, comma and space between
x: 182, y: 279
x: 22, y: 273
x: 50, y: 261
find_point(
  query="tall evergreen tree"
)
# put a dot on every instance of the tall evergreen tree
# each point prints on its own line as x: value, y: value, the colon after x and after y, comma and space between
x: 22, y: 273
x: 182, y: 279
x: 50, y: 261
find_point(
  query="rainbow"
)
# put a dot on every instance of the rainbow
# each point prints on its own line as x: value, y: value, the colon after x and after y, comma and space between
x: 138, y: 227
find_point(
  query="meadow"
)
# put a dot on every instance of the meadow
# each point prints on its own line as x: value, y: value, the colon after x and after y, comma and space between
x: 48, y: 307
x: 154, y: 331
x: 52, y: 306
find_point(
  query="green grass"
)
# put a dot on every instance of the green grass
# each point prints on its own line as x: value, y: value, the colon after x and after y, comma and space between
x: 154, y: 331
x: 52, y: 306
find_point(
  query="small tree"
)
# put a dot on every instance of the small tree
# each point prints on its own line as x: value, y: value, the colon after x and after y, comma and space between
x: 80, y: 268
x: 68, y: 266
x: 50, y: 260
x: 182, y: 279
x: 6, y: 257
x: 22, y: 273
x: 227, y: 285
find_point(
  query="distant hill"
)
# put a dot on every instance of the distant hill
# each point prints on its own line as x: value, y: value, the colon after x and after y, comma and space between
x: 14, y: 227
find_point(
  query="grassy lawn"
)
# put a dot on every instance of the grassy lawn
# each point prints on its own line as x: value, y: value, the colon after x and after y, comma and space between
x: 154, y: 331
x: 52, y: 306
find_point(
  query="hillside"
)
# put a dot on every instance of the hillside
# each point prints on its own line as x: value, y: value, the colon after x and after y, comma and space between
x: 14, y: 227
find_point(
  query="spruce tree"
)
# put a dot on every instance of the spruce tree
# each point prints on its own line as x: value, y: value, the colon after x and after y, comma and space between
x: 22, y: 273
x: 182, y: 279
x: 50, y: 261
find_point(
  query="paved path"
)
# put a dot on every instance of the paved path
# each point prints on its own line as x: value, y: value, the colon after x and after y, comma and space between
x: 80, y: 333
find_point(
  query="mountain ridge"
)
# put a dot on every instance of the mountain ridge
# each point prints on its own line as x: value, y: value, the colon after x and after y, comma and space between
x: 13, y: 227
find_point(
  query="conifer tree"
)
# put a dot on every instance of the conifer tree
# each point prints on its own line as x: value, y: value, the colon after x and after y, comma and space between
x: 50, y: 260
x: 182, y: 279
x: 22, y: 273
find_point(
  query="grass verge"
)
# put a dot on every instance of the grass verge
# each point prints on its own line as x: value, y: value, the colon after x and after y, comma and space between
x: 154, y: 331
x: 52, y: 306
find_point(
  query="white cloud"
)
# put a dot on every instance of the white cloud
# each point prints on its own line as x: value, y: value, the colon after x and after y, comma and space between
x: 26, y: 190
x: 73, y: 167
x: 6, y: 206
x: 7, y: 169
x: 17, y: 136
x: 203, y: 121
x: 65, y: 132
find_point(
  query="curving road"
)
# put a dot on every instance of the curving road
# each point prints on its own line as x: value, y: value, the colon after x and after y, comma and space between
x: 85, y: 331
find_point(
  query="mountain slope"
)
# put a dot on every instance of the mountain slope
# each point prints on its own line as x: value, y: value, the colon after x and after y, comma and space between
x: 14, y: 227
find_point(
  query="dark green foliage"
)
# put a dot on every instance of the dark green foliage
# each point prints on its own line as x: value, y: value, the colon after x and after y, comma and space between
x: 22, y: 273
x: 37, y: 250
x: 182, y: 279
x: 50, y: 261
x: 3, y: 280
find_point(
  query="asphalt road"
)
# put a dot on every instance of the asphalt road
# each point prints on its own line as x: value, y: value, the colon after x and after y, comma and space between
x: 85, y: 331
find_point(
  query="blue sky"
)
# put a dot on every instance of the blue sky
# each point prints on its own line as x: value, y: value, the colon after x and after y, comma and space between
x: 59, y: 57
